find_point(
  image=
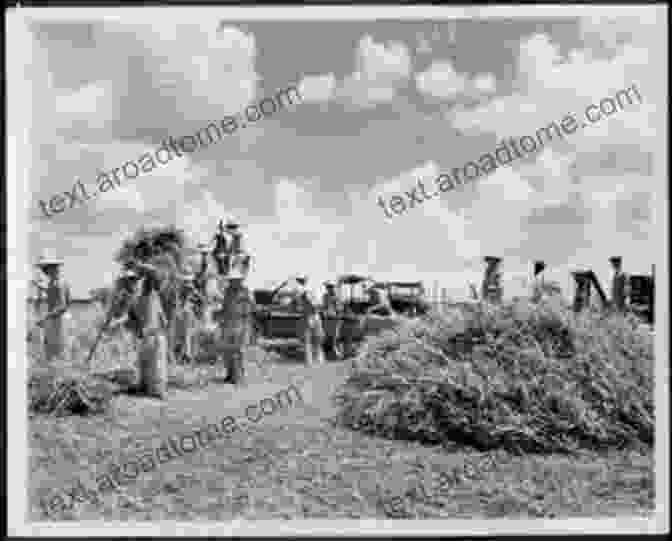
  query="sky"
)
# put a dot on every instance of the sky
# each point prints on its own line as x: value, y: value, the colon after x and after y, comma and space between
x: 385, y: 103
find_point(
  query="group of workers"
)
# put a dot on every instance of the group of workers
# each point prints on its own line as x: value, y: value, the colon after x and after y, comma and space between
x: 165, y: 308
x: 215, y: 300
x: 492, y: 291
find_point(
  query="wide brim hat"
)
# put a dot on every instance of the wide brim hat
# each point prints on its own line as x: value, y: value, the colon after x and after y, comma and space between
x: 129, y: 274
x: 48, y: 261
x: 234, y: 275
x: 231, y: 223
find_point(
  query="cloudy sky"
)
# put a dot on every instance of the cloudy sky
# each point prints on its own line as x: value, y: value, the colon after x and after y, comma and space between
x: 385, y: 103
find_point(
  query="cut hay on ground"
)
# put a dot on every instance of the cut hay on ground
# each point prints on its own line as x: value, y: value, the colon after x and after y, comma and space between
x: 67, y: 393
x: 523, y: 376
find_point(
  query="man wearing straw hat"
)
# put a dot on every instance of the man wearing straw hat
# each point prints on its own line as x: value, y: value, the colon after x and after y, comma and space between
x: 144, y: 314
x: 237, y: 256
x: 55, y: 321
x: 235, y: 323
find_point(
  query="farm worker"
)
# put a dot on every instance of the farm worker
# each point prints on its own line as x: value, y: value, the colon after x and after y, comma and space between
x: 202, y: 273
x: 144, y: 313
x: 121, y: 304
x: 187, y: 320
x: 491, y: 289
x: 538, y: 280
x: 620, y: 289
x: 582, y: 290
x: 235, y: 236
x: 238, y: 257
x: 235, y: 322
x: 313, y: 333
x: 331, y: 304
x: 380, y: 301
x: 56, y: 321
x: 38, y: 306
x: 222, y: 250
x: 332, y: 311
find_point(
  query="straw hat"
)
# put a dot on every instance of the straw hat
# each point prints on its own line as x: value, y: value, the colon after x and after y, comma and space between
x: 232, y: 223
x: 234, y: 275
x: 47, y: 260
x: 128, y: 273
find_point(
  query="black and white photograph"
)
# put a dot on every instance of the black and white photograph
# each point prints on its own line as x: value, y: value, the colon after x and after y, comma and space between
x: 283, y: 270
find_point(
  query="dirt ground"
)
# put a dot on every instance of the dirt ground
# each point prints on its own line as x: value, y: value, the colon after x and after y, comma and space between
x: 296, y: 464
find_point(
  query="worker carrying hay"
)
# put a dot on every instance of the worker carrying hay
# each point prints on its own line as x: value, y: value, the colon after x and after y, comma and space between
x: 313, y: 333
x: 55, y: 323
x: 143, y: 313
x: 153, y: 258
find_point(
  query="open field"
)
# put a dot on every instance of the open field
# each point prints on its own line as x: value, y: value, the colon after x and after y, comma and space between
x: 297, y: 464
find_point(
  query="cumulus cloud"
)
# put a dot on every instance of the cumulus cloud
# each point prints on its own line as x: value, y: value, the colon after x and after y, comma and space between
x: 148, y: 80
x: 381, y: 70
x: 441, y: 80
x: 317, y: 88
x: 485, y: 83
x: 85, y: 113
x: 199, y: 217
x: 584, y: 192
x: 551, y: 85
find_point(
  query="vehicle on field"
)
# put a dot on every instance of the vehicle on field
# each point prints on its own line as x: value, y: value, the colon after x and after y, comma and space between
x: 276, y: 314
x: 407, y: 298
x: 345, y: 331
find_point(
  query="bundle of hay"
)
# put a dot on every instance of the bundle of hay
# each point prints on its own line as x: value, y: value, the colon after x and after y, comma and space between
x: 165, y: 247
x: 148, y: 242
x: 522, y: 376
x: 67, y: 394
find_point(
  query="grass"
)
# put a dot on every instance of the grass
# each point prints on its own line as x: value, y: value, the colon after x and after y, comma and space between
x: 299, y: 465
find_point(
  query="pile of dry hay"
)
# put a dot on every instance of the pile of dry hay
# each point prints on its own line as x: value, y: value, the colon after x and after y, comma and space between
x: 68, y: 392
x: 527, y: 377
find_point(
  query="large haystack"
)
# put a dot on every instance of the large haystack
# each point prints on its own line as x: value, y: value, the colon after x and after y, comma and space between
x: 523, y: 376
